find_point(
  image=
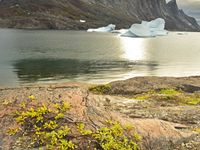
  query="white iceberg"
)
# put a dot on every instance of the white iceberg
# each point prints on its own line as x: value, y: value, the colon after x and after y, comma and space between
x: 109, y: 28
x: 82, y: 21
x: 121, y: 31
x: 147, y: 29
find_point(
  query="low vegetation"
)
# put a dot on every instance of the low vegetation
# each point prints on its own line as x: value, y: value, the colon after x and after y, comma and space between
x: 196, y: 130
x: 171, y: 96
x: 47, y: 125
x: 101, y: 89
x: 169, y: 92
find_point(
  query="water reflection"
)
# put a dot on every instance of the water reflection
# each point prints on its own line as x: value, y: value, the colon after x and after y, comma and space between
x: 33, y: 70
x: 37, y: 56
x: 134, y: 48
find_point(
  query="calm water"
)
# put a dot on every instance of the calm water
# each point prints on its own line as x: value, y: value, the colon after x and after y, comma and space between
x: 28, y: 57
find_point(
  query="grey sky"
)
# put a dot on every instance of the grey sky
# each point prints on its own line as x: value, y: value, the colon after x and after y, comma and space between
x: 191, y: 7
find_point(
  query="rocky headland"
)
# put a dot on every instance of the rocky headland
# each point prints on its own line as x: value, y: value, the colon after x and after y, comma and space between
x: 164, y: 111
x: 66, y: 14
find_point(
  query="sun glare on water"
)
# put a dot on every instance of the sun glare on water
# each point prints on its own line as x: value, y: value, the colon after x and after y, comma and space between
x: 134, y: 48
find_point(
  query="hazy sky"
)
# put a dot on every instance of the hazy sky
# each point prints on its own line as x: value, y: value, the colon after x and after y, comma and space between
x: 191, y: 7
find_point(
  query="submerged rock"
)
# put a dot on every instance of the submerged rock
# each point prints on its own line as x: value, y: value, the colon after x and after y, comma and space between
x: 147, y: 29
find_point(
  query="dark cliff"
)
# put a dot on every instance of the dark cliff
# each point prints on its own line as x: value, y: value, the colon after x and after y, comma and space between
x: 65, y: 14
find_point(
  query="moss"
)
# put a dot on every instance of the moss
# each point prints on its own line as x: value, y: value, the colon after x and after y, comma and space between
x: 196, y: 129
x: 170, y: 96
x: 169, y: 92
x: 145, y: 96
x: 142, y: 97
x: 101, y: 89
x: 191, y: 100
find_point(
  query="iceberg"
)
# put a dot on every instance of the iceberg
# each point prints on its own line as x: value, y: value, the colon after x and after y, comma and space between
x: 109, y: 28
x: 82, y: 21
x: 147, y: 29
x: 121, y: 31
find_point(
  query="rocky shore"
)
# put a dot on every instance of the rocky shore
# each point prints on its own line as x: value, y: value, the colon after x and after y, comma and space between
x: 164, y: 111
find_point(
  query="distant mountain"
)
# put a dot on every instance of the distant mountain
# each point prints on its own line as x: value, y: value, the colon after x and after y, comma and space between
x: 66, y: 14
x: 191, y: 7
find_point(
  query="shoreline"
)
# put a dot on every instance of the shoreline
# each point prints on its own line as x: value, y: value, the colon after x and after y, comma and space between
x: 48, y: 29
x: 85, y: 83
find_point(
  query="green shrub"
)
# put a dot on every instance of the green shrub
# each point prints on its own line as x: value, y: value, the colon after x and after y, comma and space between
x: 43, y: 124
x: 114, y: 137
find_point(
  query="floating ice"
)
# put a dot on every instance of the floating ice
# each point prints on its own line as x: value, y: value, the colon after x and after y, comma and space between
x: 108, y: 28
x: 121, y: 31
x: 147, y: 29
x: 82, y: 21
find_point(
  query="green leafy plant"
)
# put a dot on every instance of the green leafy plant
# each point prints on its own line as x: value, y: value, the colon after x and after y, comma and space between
x: 114, y: 137
x: 41, y: 122
x: 45, y: 124
x: 81, y: 128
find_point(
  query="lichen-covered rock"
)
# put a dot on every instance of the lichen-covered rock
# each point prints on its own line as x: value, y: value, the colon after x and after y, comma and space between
x: 95, y: 111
